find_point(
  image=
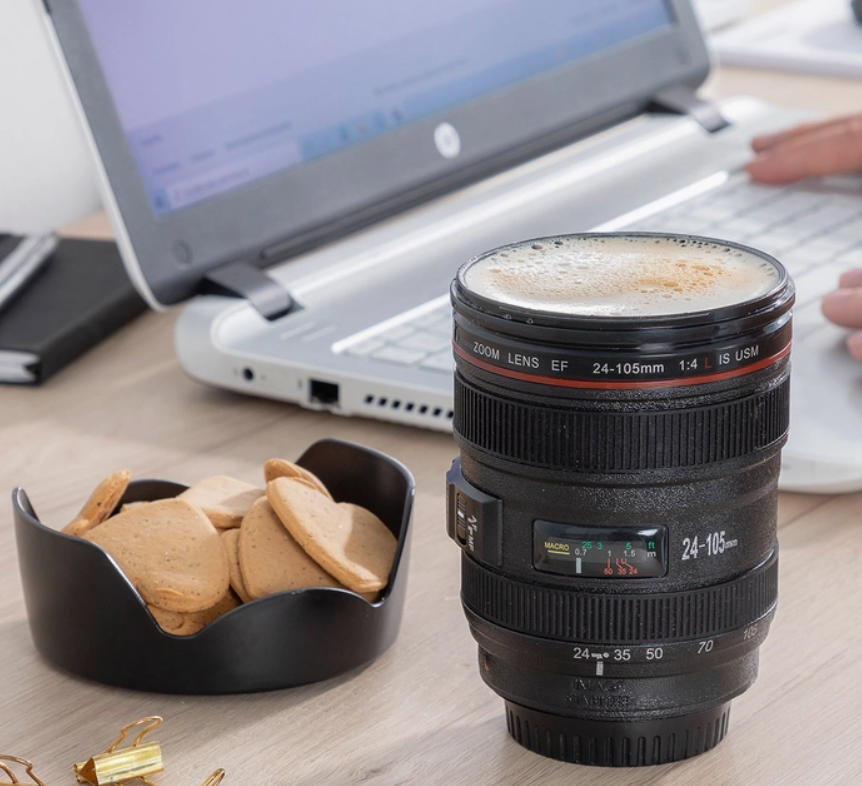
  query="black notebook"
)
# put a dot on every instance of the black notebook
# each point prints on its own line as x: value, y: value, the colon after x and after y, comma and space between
x: 80, y: 296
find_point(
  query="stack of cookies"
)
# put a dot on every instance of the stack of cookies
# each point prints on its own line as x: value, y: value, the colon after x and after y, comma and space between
x: 224, y: 542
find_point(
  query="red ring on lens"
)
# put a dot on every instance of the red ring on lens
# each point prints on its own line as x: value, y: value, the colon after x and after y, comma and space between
x: 596, y: 385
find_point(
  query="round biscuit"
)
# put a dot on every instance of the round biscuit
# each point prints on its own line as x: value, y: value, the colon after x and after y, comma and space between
x: 171, y: 553
x: 347, y: 540
x: 282, y: 468
x: 101, y: 503
x: 271, y: 560
x: 169, y: 621
x: 224, y: 499
x: 230, y: 538
x: 187, y: 623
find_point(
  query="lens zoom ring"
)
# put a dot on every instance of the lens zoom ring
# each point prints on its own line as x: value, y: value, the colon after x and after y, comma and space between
x: 620, y: 441
x: 603, y: 618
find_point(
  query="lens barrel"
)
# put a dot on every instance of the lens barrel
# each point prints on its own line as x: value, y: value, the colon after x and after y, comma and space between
x: 615, y: 500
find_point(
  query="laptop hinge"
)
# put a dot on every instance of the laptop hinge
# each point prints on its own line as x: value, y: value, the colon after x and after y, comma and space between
x: 241, y: 279
x: 683, y: 100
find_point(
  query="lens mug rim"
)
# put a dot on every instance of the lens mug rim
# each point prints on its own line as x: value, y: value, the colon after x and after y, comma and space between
x: 541, y: 324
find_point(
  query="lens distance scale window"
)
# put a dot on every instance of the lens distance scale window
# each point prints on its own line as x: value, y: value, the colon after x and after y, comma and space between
x: 602, y: 553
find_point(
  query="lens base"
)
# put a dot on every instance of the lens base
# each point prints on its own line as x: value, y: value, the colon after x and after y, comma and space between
x: 617, y: 743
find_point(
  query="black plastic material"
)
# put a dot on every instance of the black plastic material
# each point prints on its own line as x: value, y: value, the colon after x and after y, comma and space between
x: 613, y: 618
x: 658, y: 437
x: 241, y: 279
x: 86, y: 618
x: 618, y: 743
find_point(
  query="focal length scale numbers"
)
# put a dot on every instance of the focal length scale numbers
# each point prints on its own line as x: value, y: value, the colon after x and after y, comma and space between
x: 710, y: 545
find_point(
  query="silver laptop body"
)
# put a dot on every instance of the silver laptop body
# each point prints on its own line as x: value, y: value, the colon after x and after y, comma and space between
x: 325, y: 285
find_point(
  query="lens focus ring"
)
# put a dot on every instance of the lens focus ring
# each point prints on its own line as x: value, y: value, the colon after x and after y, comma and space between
x: 590, y: 441
x: 592, y: 617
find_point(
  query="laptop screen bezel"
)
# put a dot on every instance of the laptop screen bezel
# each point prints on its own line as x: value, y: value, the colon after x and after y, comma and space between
x: 305, y: 206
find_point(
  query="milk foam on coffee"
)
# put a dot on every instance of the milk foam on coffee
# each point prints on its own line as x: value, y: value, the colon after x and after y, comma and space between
x: 621, y: 275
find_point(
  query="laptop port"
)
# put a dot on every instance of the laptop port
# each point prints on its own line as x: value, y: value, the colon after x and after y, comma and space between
x: 323, y: 392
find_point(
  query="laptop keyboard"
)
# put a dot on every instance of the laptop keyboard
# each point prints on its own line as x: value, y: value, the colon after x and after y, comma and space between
x: 814, y: 231
x: 422, y: 338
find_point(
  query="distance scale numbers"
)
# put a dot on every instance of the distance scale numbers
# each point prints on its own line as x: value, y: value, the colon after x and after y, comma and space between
x: 591, y: 552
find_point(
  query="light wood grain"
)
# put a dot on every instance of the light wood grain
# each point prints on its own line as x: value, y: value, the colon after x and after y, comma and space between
x: 420, y: 713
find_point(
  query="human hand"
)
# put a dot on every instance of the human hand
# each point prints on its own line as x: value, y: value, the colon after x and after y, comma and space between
x: 810, y: 150
x: 844, y: 307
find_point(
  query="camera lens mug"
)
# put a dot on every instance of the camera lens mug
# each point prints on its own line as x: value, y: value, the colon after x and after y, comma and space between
x: 621, y: 401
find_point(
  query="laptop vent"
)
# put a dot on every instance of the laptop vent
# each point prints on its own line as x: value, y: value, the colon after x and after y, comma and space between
x: 414, y: 408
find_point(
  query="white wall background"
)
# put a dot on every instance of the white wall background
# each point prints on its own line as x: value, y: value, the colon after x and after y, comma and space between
x: 47, y: 178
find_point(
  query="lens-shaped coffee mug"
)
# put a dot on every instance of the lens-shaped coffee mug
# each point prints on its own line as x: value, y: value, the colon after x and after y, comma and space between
x: 621, y: 401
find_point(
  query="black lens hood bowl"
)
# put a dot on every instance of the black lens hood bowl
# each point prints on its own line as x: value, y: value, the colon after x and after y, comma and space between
x: 87, y: 619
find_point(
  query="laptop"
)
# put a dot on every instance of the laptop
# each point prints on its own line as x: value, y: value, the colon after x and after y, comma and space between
x: 306, y: 178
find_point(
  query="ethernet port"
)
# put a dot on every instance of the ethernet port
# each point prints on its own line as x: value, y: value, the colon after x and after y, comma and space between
x: 323, y: 392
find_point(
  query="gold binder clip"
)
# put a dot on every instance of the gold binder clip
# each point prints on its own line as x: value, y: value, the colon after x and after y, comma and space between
x: 28, y: 768
x: 118, y: 766
x: 215, y: 779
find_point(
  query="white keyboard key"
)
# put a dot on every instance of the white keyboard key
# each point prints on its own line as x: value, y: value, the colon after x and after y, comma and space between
x: 745, y: 194
x: 713, y: 211
x: 849, y: 182
x: 797, y: 228
x: 826, y: 247
x: 851, y: 231
x: 819, y: 252
x: 834, y: 211
x: 692, y: 225
x: 797, y: 204
x: 799, y: 260
x: 741, y: 227
x: 807, y: 319
x: 659, y: 223
x: 773, y: 243
x: 766, y: 215
x: 851, y: 259
x: 812, y: 285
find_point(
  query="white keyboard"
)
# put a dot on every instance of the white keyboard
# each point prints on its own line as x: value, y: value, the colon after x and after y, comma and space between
x: 815, y: 230
x: 421, y: 338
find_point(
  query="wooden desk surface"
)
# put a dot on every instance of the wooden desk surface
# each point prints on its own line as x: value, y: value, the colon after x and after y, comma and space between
x: 420, y: 713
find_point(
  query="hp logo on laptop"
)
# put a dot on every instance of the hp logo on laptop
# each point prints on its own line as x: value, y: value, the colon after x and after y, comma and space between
x: 447, y: 140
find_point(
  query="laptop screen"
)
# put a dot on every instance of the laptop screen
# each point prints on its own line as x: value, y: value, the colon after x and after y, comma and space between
x: 213, y: 96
